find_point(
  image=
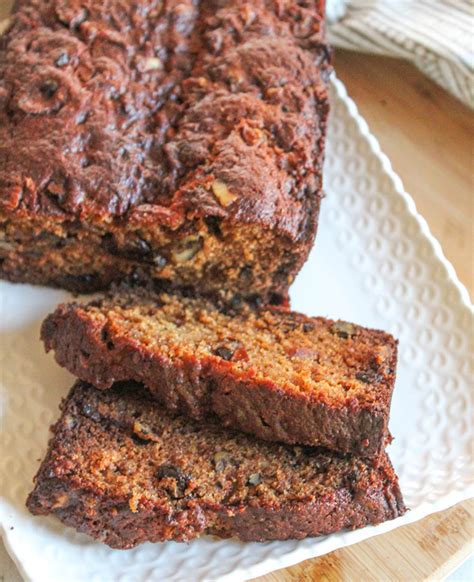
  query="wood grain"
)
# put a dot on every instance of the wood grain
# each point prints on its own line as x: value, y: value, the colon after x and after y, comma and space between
x: 427, y: 550
x: 427, y: 134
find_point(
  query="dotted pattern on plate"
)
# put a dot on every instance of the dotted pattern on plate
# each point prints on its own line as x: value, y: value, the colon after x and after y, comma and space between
x: 373, y: 263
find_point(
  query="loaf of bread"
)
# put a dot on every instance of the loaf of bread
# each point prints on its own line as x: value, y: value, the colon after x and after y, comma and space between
x: 177, y: 141
x: 265, y: 370
x: 122, y: 471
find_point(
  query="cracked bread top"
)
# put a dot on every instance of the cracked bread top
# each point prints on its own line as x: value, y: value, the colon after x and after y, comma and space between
x: 159, y: 112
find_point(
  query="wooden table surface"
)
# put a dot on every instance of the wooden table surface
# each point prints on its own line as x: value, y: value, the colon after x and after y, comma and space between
x: 427, y: 134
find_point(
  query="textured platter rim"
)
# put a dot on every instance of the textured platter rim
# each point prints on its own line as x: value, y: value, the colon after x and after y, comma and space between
x: 300, y: 555
x: 424, y: 509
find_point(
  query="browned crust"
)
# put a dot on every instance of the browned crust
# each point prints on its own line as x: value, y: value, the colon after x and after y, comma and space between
x: 91, y: 515
x: 238, y: 95
x: 199, y: 388
x: 370, y: 496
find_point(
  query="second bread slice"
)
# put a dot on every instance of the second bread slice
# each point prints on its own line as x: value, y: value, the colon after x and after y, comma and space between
x: 274, y: 373
x: 124, y: 472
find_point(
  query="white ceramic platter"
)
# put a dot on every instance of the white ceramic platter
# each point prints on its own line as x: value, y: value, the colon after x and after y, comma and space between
x: 375, y: 263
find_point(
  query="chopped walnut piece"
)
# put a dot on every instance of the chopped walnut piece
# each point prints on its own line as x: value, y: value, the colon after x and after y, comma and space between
x: 222, y: 193
x: 187, y: 248
x: 61, y: 501
x: 343, y: 329
x: 153, y: 64
x: 144, y: 432
x: 254, y: 479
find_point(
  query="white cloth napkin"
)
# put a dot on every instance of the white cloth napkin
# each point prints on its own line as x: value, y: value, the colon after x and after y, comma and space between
x: 436, y: 35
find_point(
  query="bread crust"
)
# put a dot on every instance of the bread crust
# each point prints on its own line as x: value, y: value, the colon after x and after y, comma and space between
x: 161, y: 143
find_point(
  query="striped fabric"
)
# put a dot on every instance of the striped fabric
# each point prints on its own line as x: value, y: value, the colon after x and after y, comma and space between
x: 436, y: 35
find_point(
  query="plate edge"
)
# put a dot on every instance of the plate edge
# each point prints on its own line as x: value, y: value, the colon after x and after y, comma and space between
x: 374, y: 144
x: 427, y: 508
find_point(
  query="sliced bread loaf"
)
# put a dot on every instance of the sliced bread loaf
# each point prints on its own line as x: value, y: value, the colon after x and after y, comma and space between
x: 123, y: 471
x: 274, y: 373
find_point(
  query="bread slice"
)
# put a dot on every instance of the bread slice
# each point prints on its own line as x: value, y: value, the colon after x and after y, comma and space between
x: 121, y: 470
x: 179, y: 141
x: 274, y: 373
